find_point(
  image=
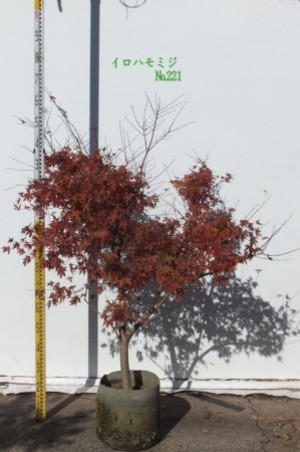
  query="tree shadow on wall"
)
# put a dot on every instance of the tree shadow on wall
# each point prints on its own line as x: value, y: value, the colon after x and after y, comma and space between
x: 226, y: 319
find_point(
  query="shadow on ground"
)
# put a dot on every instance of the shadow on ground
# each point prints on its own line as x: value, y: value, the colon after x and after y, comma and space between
x: 20, y: 428
x: 70, y: 422
x: 216, y: 401
x: 172, y: 411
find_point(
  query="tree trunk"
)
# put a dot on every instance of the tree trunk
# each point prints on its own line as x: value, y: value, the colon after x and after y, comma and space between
x: 124, y: 362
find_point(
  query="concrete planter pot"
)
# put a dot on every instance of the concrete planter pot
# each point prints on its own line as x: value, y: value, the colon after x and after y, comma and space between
x: 128, y: 419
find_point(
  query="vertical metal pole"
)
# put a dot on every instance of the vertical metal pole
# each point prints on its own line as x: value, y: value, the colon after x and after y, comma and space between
x: 94, y: 74
x: 93, y: 141
x: 39, y: 222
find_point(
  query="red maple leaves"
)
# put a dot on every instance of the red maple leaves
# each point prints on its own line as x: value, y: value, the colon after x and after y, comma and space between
x: 99, y: 222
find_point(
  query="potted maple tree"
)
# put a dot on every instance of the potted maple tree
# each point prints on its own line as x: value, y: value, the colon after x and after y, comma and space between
x: 100, y: 222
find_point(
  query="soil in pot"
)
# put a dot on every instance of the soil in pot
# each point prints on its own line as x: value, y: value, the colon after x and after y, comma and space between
x: 128, y: 419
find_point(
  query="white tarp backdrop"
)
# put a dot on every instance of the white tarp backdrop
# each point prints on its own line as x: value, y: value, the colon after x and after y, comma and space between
x: 239, y: 61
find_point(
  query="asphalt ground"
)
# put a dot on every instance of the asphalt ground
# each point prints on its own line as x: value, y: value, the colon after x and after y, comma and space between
x: 190, y: 422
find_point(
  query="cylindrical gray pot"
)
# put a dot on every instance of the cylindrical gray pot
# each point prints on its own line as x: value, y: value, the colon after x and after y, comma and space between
x: 128, y: 419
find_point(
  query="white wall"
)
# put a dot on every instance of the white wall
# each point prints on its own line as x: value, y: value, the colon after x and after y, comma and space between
x: 240, y: 67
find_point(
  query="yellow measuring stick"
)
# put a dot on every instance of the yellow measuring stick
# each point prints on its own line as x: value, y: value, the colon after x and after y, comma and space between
x: 40, y: 351
x: 38, y: 4
x: 40, y: 322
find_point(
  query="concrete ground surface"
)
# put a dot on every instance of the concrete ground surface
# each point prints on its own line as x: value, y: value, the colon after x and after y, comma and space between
x: 190, y: 422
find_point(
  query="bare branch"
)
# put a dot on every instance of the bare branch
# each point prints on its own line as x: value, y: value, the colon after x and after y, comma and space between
x: 151, y: 311
x: 17, y: 169
x: 70, y: 128
x: 21, y: 161
x: 125, y: 3
x: 14, y: 186
x: 153, y: 127
x: 26, y: 148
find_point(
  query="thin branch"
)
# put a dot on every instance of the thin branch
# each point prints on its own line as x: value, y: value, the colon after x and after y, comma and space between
x: 134, y: 126
x: 274, y: 233
x: 17, y: 169
x: 124, y: 3
x: 256, y: 209
x: 26, y: 148
x: 151, y: 311
x: 22, y: 163
x: 15, y: 186
x: 70, y: 128
x: 149, y: 129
